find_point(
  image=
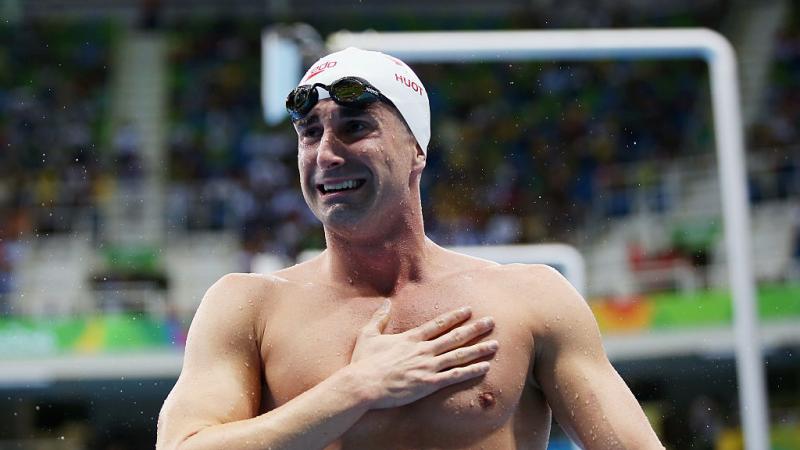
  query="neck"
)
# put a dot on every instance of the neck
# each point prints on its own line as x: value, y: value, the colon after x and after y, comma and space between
x: 381, y: 264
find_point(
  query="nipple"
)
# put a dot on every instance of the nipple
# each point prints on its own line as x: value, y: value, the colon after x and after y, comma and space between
x: 486, y: 399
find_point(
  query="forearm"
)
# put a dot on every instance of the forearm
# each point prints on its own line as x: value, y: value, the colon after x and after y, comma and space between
x: 311, y: 420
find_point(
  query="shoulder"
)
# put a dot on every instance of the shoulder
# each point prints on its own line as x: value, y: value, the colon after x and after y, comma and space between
x: 537, y: 286
x: 235, y: 282
x: 534, y: 279
x: 235, y: 288
x: 462, y: 262
x: 540, y: 286
x: 522, y: 273
x: 540, y: 272
x: 530, y: 280
x: 560, y: 316
x: 545, y: 296
x: 240, y: 300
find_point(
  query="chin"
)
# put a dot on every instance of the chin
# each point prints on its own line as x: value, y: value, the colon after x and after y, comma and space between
x: 340, y: 218
x: 355, y: 226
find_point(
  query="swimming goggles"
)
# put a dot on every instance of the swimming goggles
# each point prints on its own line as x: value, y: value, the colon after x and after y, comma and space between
x: 353, y: 92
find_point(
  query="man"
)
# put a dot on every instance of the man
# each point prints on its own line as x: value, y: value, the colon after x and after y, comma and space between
x: 386, y: 340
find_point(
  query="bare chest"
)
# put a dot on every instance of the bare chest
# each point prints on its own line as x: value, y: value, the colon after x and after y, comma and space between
x: 309, y: 340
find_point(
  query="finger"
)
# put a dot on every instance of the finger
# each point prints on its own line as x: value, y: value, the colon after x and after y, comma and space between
x: 463, y: 355
x: 379, y: 319
x: 439, y: 325
x: 461, y: 335
x: 459, y: 374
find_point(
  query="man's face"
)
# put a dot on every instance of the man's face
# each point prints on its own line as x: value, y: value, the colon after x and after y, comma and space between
x: 357, y: 166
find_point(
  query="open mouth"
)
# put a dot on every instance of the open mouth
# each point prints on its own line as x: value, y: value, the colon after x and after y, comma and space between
x: 342, y: 186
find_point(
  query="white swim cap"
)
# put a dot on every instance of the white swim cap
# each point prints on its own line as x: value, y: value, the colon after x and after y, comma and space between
x: 388, y: 74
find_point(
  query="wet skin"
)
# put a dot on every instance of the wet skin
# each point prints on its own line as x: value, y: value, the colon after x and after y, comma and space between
x: 373, y: 147
x: 479, y: 413
x: 285, y: 360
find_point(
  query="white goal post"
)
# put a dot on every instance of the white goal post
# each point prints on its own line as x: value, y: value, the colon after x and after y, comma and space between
x: 489, y: 46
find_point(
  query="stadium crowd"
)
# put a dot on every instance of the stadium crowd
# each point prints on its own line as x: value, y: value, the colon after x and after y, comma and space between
x: 520, y: 152
x: 54, y: 88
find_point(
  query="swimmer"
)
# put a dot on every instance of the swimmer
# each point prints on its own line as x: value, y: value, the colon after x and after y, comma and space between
x: 387, y: 340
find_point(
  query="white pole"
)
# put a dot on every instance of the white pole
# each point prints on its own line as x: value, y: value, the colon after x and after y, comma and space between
x: 733, y: 189
x: 645, y: 44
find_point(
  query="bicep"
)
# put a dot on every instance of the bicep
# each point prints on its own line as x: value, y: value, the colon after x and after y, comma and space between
x: 588, y: 397
x: 592, y: 403
x: 220, y: 380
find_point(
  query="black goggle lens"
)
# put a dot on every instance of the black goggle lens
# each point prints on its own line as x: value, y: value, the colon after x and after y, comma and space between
x: 300, y: 101
x: 348, y: 91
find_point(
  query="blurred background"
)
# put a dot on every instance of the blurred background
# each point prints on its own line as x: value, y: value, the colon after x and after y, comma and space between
x: 136, y: 168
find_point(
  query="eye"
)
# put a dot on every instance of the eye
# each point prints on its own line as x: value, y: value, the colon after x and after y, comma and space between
x: 310, y: 133
x: 355, y: 126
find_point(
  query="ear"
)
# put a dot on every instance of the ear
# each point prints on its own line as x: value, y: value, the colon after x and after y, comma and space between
x: 420, y: 159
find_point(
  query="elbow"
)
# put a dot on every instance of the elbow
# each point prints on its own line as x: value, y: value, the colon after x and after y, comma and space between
x: 184, y: 443
x: 176, y: 443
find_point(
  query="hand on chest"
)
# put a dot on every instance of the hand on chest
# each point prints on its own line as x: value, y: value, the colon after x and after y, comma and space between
x: 322, y: 339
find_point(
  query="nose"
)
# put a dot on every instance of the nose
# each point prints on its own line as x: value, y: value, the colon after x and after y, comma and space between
x: 330, y: 150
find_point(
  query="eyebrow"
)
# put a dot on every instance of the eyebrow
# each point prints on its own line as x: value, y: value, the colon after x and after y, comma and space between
x: 344, y: 111
x: 353, y: 112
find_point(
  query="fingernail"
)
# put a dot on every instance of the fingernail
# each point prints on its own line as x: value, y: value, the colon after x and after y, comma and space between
x: 386, y: 304
x: 466, y: 309
x: 493, y: 345
x: 488, y: 321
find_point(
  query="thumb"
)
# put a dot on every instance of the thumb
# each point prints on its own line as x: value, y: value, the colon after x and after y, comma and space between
x: 379, y: 318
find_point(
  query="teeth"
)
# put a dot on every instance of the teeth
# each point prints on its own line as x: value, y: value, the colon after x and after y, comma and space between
x: 349, y: 184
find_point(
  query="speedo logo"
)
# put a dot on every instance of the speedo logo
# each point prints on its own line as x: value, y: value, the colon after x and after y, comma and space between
x: 409, y: 83
x: 396, y: 61
x: 316, y: 70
